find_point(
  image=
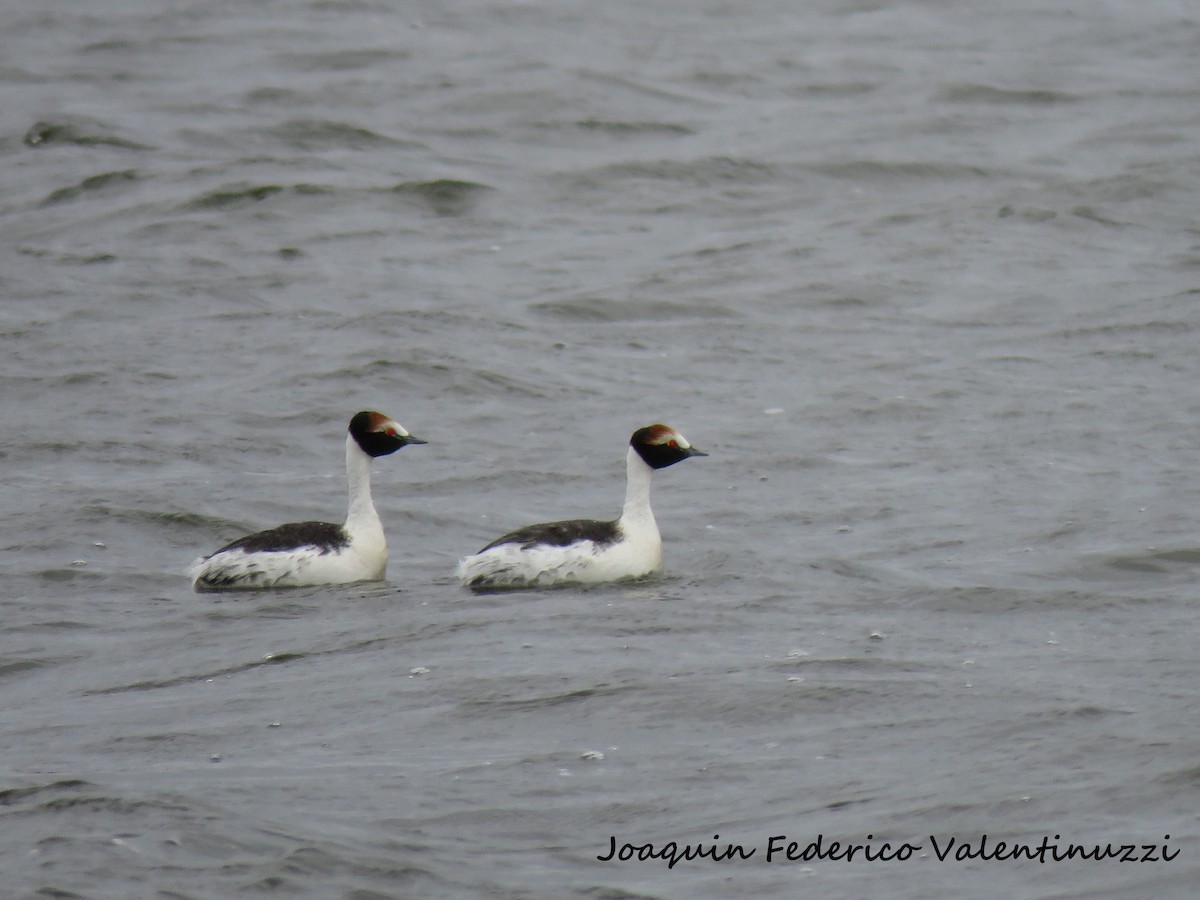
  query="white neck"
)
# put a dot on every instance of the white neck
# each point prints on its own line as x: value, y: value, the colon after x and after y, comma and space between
x: 637, y: 492
x: 362, y: 512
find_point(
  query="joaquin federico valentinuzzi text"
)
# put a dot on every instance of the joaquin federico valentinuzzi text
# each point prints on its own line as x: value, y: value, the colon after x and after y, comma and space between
x: 945, y: 848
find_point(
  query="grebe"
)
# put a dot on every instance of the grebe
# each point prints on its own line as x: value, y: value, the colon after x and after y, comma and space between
x: 310, y: 553
x: 585, y: 551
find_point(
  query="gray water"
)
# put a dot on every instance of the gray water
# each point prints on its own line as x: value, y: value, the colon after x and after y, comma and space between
x: 921, y: 277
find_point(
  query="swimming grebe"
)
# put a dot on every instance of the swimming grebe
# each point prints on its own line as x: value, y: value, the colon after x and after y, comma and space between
x: 310, y: 553
x: 585, y: 551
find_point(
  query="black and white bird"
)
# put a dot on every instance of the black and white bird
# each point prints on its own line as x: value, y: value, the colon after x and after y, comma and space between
x: 311, y: 553
x: 586, y: 551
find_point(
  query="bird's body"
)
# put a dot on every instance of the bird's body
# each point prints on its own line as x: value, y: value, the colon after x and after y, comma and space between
x: 311, y: 553
x: 587, y: 551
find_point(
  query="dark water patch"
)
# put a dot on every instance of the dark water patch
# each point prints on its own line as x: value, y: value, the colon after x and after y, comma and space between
x: 982, y: 93
x: 404, y: 321
x: 628, y: 129
x: 125, y: 46
x: 54, y: 625
x: 271, y: 659
x: 314, y: 134
x: 1085, y: 711
x: 64, y: 379
x: 13, y: 796
x: 157, y: 740
x: 1029, y: 213
x: 449, y: 377
x: 443, y: 196
x: 1189, y: 557
x: 853, y: 569
x: 385, y: 368
x: 1154, y: 561
x: 86, y: 259
x: 91, y: 185
x: 1123, y: 188
x: 871, y: 665
x: 777, y: 702
x: 70, y: 573
x: 502, y: 705
x: 472, y: 382
x: 341, y: 60
x: 12, y: 666
x: 834, y: 296
x: 1188, y: 777
x: 156, y: 518
x: 78, y: 132
x: 605, y: 309
x: 57, y: 893
x: 998, y: 600
x: 236, y: 196
x: 116, y: 45
x: 704, y: 172
x: 835, y: 89
x: 880, y: 171
x: 14, y: 75
x: 103, y: 804
x: 238, y: 608
x: 276, y: 96
x: 613, y: 893
x: 847, y: 803
x: 1091, y: 215
x: 312, y: 861
x: 729, y: 249
x: 631, y: 85
x: 1163, y: 326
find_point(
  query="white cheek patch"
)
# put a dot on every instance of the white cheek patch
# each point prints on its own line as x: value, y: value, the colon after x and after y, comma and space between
x: 673, y: 437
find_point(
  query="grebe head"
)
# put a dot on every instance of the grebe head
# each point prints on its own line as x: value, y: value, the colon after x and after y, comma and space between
x: 378, y: 435
x: 660, y: 446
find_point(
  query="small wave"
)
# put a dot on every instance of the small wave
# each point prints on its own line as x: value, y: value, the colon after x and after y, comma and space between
x: 875, y: 170
x: 444, y: 196
x: 80, y: 132
x: 104, y: 803
x: 382, y: 368
x: 14, y: 796
x: 91, y: 185
x: 150, y: 684
x: 632, y: 129
x: 836, y: 89
x: 342, y: 60
x: 237, y: 196
x: 73, y: 573
x: 17, y: 666
x: 982, y: 93
x: 1189, y: 777
x: 604, y: 309
x: 271, y: 659
x: 98, y: 512
x: 710, y: 170
x: 309, y: 134
x: 53, y: 625
x: 1084, y: 711
x: 508, y: 705
x: 1154, y: 561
